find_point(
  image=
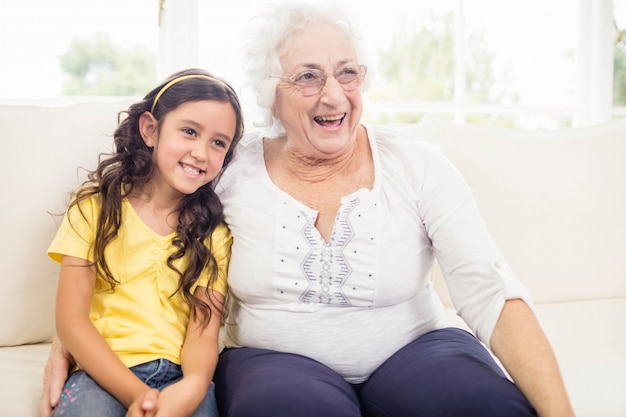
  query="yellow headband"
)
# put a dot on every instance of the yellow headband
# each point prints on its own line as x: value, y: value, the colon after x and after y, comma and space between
x: 181, y: 78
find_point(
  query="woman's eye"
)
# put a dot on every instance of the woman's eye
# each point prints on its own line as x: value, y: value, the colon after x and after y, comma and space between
x: 347, y: 71
x: 307, y: 76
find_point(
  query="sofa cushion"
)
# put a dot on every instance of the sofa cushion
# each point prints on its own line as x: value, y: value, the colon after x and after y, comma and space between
x: 21, y: 376
x: 36, y: 181
x: 590, y: 345
x: 554, y: 202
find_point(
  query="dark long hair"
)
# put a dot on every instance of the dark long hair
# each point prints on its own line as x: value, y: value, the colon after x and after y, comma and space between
x: 131, y: 166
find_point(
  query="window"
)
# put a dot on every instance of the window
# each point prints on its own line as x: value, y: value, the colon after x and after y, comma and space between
x: 92, y: 37
x: 533, y: 64
x: 536, y: 64
x: 619, y: 77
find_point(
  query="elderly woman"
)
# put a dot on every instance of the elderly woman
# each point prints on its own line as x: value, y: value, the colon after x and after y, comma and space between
x: 336, y: 227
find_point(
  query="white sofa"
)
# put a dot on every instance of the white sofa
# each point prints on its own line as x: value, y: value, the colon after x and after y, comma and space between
x: 554, y: 201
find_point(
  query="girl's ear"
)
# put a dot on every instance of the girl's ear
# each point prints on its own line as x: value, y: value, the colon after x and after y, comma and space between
x: 148, y: 128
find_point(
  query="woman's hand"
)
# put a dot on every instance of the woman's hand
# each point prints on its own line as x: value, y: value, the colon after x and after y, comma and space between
x: 54, y: 376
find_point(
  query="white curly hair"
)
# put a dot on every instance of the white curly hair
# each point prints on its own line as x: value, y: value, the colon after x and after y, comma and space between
x: 269, y: 35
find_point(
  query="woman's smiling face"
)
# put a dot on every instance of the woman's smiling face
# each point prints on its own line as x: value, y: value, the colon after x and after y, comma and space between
x: 323, y: 125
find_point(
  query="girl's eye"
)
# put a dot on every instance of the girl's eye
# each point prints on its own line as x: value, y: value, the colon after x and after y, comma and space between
x: 189, y: 131
x: 220, y: 143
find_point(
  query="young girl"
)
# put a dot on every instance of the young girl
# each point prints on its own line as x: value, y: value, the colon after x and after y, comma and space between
x: 144, y: 251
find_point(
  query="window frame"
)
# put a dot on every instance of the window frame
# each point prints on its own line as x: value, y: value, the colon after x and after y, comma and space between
x: 179, y: 46
x: 594, y: 64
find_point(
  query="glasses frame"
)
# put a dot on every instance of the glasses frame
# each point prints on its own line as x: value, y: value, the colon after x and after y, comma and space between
x: 324, y: 77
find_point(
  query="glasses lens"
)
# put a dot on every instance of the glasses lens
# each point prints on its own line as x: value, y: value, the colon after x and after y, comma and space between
x: 350, y: 76
x: 312, y: 80
x: 309, y: 81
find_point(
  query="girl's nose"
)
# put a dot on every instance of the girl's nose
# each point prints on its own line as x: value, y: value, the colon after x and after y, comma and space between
x: 199, y: 152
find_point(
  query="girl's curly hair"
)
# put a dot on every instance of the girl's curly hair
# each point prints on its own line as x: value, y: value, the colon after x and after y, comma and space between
x: 131, y: 166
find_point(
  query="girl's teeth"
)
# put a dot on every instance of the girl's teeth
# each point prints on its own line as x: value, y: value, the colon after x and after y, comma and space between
x: 190, y: 169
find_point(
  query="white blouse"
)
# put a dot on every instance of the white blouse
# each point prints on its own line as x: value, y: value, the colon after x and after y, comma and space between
x: 353, y: 302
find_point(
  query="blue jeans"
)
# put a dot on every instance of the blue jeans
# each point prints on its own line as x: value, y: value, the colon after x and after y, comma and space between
x: 446, y: 372
x: 83, y: 397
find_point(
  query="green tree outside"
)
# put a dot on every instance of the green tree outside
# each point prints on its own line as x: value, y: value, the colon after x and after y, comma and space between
x: 619, y: 69
x: 419, y: 66
x: 98, y: 67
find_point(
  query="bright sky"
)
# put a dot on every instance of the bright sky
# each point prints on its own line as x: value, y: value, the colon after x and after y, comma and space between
x: 35, y: 32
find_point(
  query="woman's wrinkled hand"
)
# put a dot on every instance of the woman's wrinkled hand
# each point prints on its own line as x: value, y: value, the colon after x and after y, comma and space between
x: 54, y: 377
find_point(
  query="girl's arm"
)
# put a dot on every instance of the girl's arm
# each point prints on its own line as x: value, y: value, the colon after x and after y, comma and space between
x: 198, y: 359
x: 522, y: 347
x: 201, y: 348
x: 81, y: 338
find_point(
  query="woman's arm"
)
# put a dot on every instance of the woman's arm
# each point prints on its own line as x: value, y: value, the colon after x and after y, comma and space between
x: 520, y: 344
x: 54, y: 375
x: 198, y: 360
x: 81, y: 338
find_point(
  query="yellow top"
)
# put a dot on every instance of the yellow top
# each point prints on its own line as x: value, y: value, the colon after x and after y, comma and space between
x: 140, y: 319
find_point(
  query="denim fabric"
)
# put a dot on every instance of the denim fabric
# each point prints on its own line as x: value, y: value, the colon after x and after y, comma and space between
x: 83, y: 397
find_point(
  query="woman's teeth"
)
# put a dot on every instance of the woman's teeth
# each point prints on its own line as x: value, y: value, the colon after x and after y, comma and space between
x: 329, y: 119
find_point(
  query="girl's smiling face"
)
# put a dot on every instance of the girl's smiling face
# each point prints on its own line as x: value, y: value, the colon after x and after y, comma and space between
x: 189, y: 144
x: 323, y: 125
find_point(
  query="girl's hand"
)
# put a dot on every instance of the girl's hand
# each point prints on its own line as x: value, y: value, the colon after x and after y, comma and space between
x: 181, y: 399
x: 144, y: 405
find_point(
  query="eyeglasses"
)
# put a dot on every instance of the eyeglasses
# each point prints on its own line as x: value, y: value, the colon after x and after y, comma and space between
x: 311, y: 81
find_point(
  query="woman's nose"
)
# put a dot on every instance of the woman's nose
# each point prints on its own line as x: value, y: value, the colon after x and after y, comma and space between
x: 332, y: 88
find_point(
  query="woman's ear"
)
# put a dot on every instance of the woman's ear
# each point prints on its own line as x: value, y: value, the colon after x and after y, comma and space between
x: 148, y: 128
